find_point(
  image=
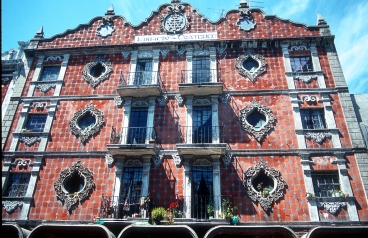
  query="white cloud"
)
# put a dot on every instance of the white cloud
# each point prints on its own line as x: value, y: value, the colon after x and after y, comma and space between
x: 289, y: 8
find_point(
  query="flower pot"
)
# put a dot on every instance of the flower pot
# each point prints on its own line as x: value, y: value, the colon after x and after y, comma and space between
x: 234, y: 220
x: 156, y: 222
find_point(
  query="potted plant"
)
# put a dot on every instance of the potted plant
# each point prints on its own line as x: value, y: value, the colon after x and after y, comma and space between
x: 24, y: 129
x: 310, y: 195
x: 209, y: 209
x: 158, y: 214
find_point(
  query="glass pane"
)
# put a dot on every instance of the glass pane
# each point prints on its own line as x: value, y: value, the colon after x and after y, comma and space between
x: 50, y: 73
x: 325, y: 183
x: 313, y: 118
x: 201, y: 70
x: 17, y: 184
x: 143, y: 73
x: 137, y: 126
x: 202, y: 124
x: 36, y: 123
x: 256, y: 119
x: 250, y: 65
x: 301, y: 64
x: 87, y: 121
x: 97, y: 70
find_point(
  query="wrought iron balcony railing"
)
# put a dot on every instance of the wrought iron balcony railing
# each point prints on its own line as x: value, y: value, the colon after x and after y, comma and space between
x: 140, y: 78
x: 200, y: 76
x: 201, y: 208
x: 134, y: 135
x: 201, y: 134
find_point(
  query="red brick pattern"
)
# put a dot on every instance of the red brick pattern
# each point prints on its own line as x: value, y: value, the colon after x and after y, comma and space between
x: 4, y: 89
x: 48, y: 207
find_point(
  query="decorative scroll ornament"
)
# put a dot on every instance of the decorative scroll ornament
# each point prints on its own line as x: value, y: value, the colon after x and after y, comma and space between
x: 53, y: 58
x: 38, y: 105
x: 318, y: 137
x: 71, y: 199
x: 175, y: 21
x: 30, y: 140
x: 162, y: 100
x: 164, y: 52
x: 275, y: 194
x: 119, y: 101
x: 107, y: 26
x: 224, y: 97
x: 221, y: 48
x: 133, y: 162
x: 125, y: 54
x: 306, y: 78
x: 157, y: 160
x: 332, y: 207
x: 44, y: 87
x: 180, y: 100
x: 11, y: 206
x: 266, y: 111
x: 84, y: 135
x: 177, y: 159
x: 252, y: 76
x: 94, y: 81
x: 227, y: 158
x: 22, y: 163
x: 246, y: 23
x: 109, y: 159
x: 310, y: 99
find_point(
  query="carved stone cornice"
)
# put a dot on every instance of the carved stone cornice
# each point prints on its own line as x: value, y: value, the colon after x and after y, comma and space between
x: 30, y: 140
x: 11, y: 206
x: 256, y: 196
x: 331, y: 207
x: 318, y: 137
x: 72, y: 199
x: 262, y: 68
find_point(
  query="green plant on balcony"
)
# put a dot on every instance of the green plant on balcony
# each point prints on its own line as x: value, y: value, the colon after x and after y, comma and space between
x: 158, y: 214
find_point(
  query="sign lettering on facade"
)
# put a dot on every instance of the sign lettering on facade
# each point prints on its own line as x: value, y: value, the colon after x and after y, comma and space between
x: 176, y: 37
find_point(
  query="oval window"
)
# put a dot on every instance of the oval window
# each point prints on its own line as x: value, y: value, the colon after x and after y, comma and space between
x: 263, y: 183
x: 74, y: 183
x: 97, y: 70
x: 256, y: 119
x: 250, y: 65
x: 87, y: 121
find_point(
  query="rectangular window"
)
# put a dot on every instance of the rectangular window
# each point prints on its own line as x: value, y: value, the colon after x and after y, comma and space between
x: 130, y: 191
x: 301, y: 64
x: 202, y: 190
x: 50, y: 73
x: 137, y: 132
x: 17, y: 184
x: 202, y: 124
x: 201, y: 70
x: 36, y: 122
x: 325, y: 183
x: 313, y: 118
x: 143, y: 74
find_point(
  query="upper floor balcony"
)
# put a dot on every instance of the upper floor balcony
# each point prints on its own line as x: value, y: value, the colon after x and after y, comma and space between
x: 133, y: 141
x: 138, y: 83
x: 200, y: 82
x: 201, y: 140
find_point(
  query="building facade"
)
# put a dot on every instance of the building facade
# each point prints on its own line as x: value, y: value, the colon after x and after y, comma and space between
x: 248, y: 116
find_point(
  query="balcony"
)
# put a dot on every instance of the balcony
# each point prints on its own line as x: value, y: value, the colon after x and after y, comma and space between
x: 202, y: 140
x: 202, y: 208
x: 133, y: 141
x: 200, y: 82
x: 133, y: 84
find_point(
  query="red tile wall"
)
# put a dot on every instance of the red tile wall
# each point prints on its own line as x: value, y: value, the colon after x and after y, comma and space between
x: 86, y: 36
x: 4, y: 89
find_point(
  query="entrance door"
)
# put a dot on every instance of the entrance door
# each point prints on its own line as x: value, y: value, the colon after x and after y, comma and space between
x: 130, y: 191
x: 202, y: 191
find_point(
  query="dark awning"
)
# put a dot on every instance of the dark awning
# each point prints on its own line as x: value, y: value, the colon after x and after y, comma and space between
x: 251, y: 231
x: 70, y: 231
x: 177, y: 231
x: 337, y: 232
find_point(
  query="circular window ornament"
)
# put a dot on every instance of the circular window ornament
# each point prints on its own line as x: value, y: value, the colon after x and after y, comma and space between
x: 251, y: 65
x: 97, y: 71
x: 175, y: 21
x: 86, y: 122
x: 257, y: 119
x: 264, y: 185
x: 74, y: 184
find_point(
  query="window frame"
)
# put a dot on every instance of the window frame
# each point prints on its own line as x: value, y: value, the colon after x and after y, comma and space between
x: 35, y: 128
x: 299, y: 57
x: 330, y: 185
x: 10, y: 184
x: 44, y: 78
x: 201, y: 65
x: 309, y: 121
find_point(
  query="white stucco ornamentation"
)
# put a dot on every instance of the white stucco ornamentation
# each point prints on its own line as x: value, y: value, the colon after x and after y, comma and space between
x: 266, y: 111
x: 94, y: 81
x: 252, y: 76
x: 256, y: 196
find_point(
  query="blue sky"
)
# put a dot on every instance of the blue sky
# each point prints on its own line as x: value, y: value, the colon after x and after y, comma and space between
x: 347, y: 19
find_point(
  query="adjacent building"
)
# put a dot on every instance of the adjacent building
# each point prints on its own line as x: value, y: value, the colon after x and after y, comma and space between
x: 248, y: 116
